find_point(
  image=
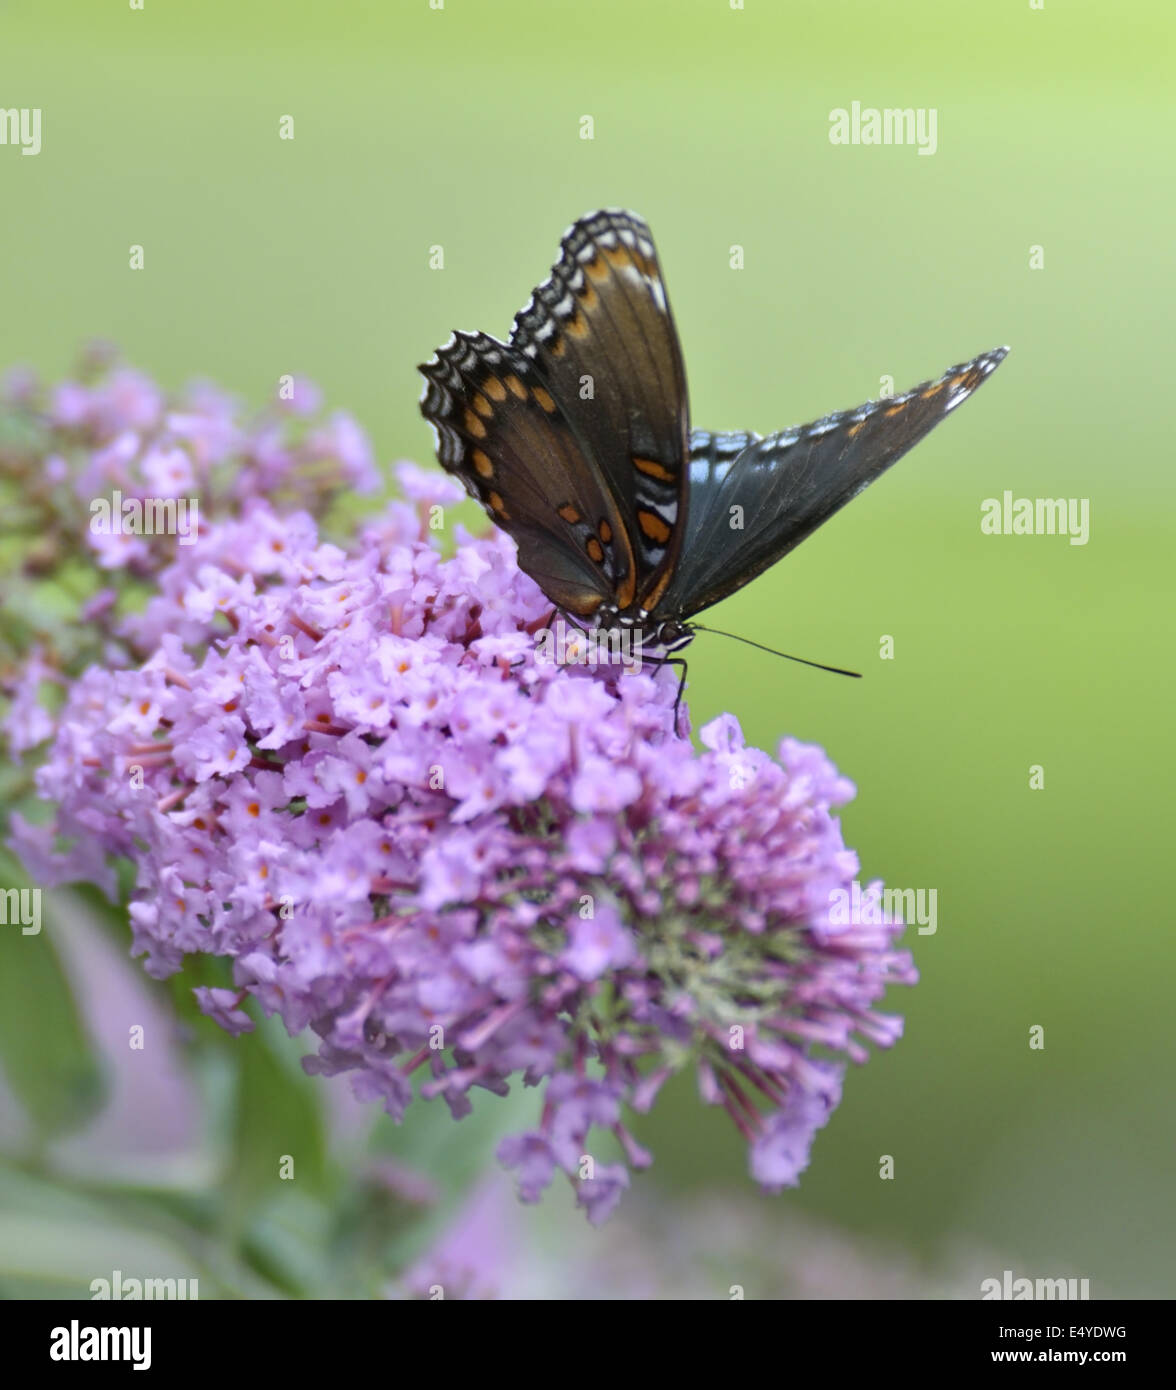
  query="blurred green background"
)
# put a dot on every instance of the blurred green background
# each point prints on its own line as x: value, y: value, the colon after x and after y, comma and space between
x: 461, y: 127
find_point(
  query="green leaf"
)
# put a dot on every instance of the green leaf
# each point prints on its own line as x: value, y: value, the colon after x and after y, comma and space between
x: 455, y: 1154
x: 55, y: 1239
x: 278, y: 1137
x: 45, y: 1050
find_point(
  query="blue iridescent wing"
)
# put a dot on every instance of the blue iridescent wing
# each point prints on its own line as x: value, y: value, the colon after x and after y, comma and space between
x: 754, y: 499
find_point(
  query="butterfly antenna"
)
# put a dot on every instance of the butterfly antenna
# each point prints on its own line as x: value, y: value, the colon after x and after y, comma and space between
x: 718, y: 632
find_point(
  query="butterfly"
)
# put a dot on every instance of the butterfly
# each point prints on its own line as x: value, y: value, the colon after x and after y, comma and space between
x: 575, y: 437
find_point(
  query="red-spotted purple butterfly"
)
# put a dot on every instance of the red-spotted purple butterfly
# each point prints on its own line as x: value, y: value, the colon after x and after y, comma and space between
x: 575, y: 436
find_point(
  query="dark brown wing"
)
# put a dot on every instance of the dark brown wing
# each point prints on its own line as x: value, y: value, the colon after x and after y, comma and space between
x: 502, y: 432
x: 602, y: 337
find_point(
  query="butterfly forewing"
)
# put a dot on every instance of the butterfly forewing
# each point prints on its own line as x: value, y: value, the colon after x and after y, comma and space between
x: 600, y: 333
x: 753, y: 499
x: 501, y: 431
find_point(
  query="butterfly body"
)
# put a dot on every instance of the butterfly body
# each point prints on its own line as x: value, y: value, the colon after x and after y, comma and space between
x: 575, y: 436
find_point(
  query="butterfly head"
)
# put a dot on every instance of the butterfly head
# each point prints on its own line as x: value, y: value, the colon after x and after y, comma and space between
x: 663, y: 635
x: 669, y: 635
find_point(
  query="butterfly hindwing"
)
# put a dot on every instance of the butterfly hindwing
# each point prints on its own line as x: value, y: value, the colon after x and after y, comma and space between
x: 501, y: 431
x: 601, y: 334
x: 753, y: 499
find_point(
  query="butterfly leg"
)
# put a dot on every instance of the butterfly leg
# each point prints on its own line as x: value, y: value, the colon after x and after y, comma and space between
x: 539, y: 625
x: 672, y: 661
x: 678, y: 661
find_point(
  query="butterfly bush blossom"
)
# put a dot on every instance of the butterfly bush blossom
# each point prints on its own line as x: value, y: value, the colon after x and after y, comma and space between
x: 350, y: 771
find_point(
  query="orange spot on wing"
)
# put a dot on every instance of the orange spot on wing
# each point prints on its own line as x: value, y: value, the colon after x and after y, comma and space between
x: 482, y: 464
x: 934, y: 390
x: 569, y: 514
x: 474, y: 426
x: 653, y: 527
x: 651, y: 599
x: 652, y: 469
x: 605, y: 532
x: 494, y: 388
x: 544, y: 400
x: 595, y: 549
x: 498, y: 506
x: 853, y: 429
x: 482, y: 405
x: 516, y: 387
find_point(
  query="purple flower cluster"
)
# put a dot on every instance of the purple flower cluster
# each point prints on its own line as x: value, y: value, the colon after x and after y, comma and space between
x: 351, y: 772
x: 113, y: 430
